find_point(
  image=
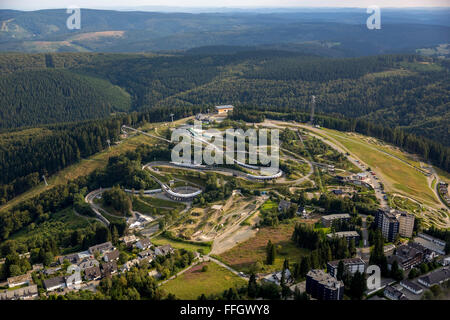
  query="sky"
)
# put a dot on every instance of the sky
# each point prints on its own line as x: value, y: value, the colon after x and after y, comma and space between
x: 102, y: 4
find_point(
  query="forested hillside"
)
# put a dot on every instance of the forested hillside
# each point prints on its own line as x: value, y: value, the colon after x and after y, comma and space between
x: 50, y: 96
x: 408, y: 91
x: 27, y: 155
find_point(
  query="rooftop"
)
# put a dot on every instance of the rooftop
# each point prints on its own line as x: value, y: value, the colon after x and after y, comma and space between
x: 336, y: 216
x: 437, y: 276
x: 229, y: 106
x: 325, y: 279
x: 343, y: 234
x: 349, y: 261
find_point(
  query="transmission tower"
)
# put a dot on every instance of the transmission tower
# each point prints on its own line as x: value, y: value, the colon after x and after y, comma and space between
x: 313, y: 106
x: 109, y: 143
x: 171, y: 115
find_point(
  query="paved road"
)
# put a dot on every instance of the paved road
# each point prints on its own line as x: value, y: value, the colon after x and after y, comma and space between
x: 90, y: 199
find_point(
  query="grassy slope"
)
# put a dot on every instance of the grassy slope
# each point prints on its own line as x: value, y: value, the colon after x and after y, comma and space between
x: 194, y: 282
x: 401, y: 177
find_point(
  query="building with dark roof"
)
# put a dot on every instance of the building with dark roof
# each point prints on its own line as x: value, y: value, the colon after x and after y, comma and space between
x: 322, y: 286
x: 19, y: 280
x: 101, y: 248
x: 394, y: 294
x: 327, y: 220
x: 350, y: 265
x: 88, y: 263
x: 407, y: 256
x: 411, y: 286
x: 386, y: 221
x: 348, y: 235
x: 54, y: 283
x: 109, y: 268
x: 73, y: 258
x: 164, y: 250
x: 111, y: 256
x: 143, y: 243
x: 435, y: 277
x: 92, y: 273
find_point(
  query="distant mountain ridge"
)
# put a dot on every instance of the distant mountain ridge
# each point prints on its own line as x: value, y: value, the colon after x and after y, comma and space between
x: 125, y: 31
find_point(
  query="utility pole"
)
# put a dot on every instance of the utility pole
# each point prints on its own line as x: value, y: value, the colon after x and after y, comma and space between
x: 45, y: 180
x: 313, y: 105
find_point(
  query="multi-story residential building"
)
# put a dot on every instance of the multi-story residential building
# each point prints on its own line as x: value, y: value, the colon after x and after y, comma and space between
x: 327, y: 220
x: 392, y: 222
x: 406, y: 224
x: 322, y: 286
x: 349, y: 235
x: 350, y: 265
x: 408, y: 256
x: 386, y: 221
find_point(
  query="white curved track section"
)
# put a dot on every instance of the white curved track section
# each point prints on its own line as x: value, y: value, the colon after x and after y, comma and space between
x: 199, y: 166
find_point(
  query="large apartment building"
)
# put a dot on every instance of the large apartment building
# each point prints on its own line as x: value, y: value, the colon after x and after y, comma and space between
x: 406, y: 224
x: 350, y: 265
x: 322, y: 286
x: 392, y: 222
x: 328, y: 220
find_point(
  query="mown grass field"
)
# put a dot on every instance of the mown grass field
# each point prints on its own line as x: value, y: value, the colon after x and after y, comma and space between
x: 401, y: 177
x: 246, y: 254
x: 191, y: 284
x: 160, y: 240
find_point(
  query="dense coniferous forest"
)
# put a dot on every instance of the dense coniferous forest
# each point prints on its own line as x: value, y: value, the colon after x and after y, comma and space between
x: 406, y: 91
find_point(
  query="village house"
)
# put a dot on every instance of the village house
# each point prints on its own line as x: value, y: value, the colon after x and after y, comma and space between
x: 129, y: 240
x: 73, y: 258
x: 92, y: 273
x: 164, y: 250
x: 111, y: 256
x: 101, y: 248
x: 109, y: 268
x: 19, y: 280
x: 88, y: 263
x: 276, y: 277
x: 146, y: 253
x: 55, y: 283
x: 143, y: 244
